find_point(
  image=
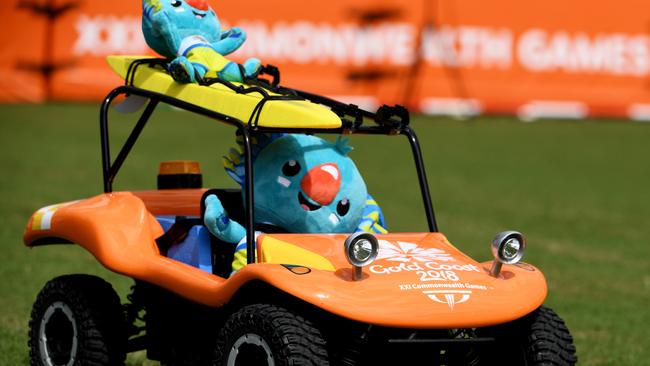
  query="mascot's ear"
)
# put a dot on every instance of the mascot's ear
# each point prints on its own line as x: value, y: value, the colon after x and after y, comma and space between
x: 233, y: 162
x: 342, y: 146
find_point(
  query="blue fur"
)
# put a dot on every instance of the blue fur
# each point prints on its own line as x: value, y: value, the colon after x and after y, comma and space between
x: 166, y: 26
x: 217, y: 221
x: 279, y: 205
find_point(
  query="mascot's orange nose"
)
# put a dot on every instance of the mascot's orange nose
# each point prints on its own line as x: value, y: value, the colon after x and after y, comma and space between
x: 199, y: 4
x: 322, y: 183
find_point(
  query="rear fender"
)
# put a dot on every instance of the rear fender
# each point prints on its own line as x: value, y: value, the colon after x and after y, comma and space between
x: 112, y: 227
x: 120, y: 232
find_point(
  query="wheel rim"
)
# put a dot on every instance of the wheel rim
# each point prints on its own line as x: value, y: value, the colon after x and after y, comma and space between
x: 57, y: 335
x: 250, y: 349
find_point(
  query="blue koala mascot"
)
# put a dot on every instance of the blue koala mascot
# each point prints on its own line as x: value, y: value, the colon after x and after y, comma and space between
x: 303, y: 184
x: 189, y: 32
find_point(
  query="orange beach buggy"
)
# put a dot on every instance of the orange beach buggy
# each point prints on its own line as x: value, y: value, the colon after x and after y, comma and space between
x: 303, y: 299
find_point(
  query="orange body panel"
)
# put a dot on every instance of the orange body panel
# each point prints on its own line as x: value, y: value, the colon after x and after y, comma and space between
x: 418, y: 280
x: 175, y: 202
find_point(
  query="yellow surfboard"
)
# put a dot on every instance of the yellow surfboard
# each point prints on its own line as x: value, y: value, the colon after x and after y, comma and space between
x: 301, y: 114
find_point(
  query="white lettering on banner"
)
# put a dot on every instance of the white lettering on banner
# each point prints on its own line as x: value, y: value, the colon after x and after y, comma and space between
x: 395, y: 44
x: 468, y: 46
x: 105, y: 35
x: 390, y: 43
x: 615, y: 54
x: 305, y: 42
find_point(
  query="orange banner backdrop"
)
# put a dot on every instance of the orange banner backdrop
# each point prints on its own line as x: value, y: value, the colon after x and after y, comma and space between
x: 541, y: 59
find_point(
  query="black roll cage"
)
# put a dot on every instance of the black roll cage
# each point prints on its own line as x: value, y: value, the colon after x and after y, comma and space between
x: 388, y: 121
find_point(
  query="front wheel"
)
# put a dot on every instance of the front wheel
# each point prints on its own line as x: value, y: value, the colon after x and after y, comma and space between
x: 539, y: 339
x: 267, y: 335
x: 77, y: 320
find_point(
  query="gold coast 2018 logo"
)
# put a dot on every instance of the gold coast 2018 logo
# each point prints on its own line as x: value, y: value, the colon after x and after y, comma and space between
x: 431, y: 264
x: 409, y: 252
x: 439, y: 275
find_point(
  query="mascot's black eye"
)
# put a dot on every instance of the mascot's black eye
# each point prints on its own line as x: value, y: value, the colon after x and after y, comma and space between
x: 176, y: 3
x: 291, y: 168
x: 343, y: 207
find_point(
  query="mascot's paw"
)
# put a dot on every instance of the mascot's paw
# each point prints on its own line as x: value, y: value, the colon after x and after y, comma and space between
x: 234, y: 33
x: 182, y: 70
x: 231, y: 73
x: 215, y: 218
x: 252, y: 67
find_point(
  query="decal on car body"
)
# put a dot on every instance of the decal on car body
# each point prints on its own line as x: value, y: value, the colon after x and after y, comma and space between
x: 43, y: 218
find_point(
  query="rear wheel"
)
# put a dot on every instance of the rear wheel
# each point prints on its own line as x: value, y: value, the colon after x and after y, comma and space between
x: 77, y: 320
x: 539, y: 339
x: 270, y: 336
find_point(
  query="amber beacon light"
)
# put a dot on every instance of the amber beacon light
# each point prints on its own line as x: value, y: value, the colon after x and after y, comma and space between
x: 179, y: 174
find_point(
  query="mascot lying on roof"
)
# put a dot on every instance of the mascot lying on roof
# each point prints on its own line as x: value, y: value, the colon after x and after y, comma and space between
x: 189, y: 32
x: 303, y: 184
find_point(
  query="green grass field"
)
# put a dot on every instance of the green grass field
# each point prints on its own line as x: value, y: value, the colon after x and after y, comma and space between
x: 579, y: 190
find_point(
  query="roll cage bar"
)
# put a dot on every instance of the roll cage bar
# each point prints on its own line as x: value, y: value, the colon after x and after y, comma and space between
x: 387, y: 121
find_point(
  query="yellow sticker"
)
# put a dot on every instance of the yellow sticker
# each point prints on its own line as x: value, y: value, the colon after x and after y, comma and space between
x: 280, y: 252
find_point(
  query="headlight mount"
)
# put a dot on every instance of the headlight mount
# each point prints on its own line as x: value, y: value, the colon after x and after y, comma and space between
x: 361, y: 249
x: 507, y: 247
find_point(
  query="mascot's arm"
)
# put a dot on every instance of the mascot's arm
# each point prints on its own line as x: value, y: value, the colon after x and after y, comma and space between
x: 168, y: 30
x: 218, y: 223
x: 230, y: 41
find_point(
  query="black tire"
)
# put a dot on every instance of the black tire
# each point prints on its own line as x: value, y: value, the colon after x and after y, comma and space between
x: 77, y: 320
x: 263, y: 334
x: 539, y: 339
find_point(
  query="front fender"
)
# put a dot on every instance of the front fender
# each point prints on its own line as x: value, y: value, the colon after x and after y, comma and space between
x: 418, y: 280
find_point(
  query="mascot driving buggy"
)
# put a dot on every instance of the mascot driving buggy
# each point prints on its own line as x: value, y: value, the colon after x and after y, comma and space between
x: 303, y: 184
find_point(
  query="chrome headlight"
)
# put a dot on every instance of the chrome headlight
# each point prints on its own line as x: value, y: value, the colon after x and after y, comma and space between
x: 507, y: 247
x: 361, y: 249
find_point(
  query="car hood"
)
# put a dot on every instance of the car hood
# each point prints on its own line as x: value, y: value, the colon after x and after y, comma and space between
x: 418, y: 280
